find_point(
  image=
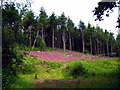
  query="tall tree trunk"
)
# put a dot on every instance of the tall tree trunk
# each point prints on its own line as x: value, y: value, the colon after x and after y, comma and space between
x: 100, y: 48
x: 70, y: 46
x: 53, y: 37
x: 90, y: 44
x: 30, y: 39
x: 111, y: 49
x: 107, y: 48
x: 35, y: 39
x: 42, y: 33
x: 83, y: 41
x: 97, y: 46
x: 63, y: 39
x: 104, y: 50
x: 58, y: 41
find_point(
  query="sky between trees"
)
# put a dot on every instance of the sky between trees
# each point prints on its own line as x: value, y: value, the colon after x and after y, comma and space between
x: 77, y: 10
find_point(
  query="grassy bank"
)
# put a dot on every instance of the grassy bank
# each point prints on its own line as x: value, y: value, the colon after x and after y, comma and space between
x: 87, y: 74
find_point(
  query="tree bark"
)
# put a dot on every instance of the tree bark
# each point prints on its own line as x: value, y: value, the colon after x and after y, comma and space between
x: 35, y: 39
x: 42, y: 33
x: 107, y: 48
x: 100, y: 49
x: 104, y: 50
x: 97, y: 46
x: 70, y: 46
x: 63, y: 39
x: 30, y: 39
x: 90, y: 44
x: 53, y: 38
x: 111, y: 49
x: 83, y: 41
x: 95, y: 49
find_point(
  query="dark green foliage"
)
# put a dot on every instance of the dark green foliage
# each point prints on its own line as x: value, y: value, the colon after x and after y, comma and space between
x: 102, y: 7
x: 118, y: 44
x: 41, y: 44
x: 11, y: 15
x: 35, y: 76
x: 75, y: 69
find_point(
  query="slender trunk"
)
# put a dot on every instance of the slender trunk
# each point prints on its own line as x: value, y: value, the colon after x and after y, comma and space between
x: 97, y: 46
x: 70, y: 46
x: 95, y: 49
x: 83, y: 41
x: 100, y: 49
x: 53, y: 37
x: 42, y: 33
x: 58, y: 41
x: 111, y: 50
x: 30, y: 39
x: 35, y: 39
x: 63, y: 38
x: 104, y: 50
x: 107, y: 48
x: 90, y: 44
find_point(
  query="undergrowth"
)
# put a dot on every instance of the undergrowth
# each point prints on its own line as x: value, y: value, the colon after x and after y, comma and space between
x: 31, y: 68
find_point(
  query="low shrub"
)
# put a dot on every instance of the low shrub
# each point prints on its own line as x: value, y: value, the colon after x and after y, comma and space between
x: 75, y: 69
x: 28, y: 65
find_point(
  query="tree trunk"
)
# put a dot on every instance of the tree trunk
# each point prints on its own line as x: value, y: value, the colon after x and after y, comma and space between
x: 90, y: 44
x: 35, y: 39
x: 30, y: 39
x: 111, y: 50
x: 42, y: 33
x: 100, y: 49
x: 58, y: 41
x: 107, y: 48
x: 53, y: 37
x: 63, y: 38
x: 83, y: 41
x: 70, y: 46
x: 97, y: 46
x: 104, y: 50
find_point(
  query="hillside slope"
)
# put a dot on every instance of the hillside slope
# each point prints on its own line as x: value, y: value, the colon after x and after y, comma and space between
x: 64, y: 56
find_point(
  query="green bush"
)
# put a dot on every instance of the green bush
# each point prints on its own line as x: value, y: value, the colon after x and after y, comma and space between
x: 75, y: 69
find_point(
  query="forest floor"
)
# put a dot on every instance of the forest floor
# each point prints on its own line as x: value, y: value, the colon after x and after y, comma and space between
x: 55, y: 69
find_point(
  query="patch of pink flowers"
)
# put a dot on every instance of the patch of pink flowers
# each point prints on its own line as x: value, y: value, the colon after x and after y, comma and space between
x: 54, y: 55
